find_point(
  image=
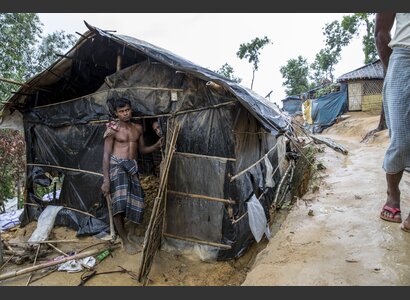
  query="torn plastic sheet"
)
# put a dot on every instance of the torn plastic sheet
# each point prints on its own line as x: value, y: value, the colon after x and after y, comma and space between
x: 45, y: 224
x: 257, y: 219
x: 269, y: 182
x: 77, y: 265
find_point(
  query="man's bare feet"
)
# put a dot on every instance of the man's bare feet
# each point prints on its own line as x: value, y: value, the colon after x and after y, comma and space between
x: 129, y: 247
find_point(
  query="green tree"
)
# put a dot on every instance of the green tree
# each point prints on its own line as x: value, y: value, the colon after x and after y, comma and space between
x: 296, y: 73
x: 23, y: 50
x: 354, y: 23
x: 23, y: 53
x: 336, y: 38
x: 19, y: 32
x: 322, y: 67
x: 12, y: 163
x: 251, y: 51
x: 50, y: 47
x: 227, y: 71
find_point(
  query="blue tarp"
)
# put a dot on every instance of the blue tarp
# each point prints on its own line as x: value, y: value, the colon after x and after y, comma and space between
x: 292, y: 105
x: 326, y: 109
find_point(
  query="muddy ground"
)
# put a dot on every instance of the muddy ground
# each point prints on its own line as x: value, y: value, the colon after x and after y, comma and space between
x: 168, y: 269
x: 342, y: 241
x: 332, y: 236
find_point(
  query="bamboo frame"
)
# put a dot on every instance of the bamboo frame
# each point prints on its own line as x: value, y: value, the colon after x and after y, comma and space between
x: 65, y: 168
x: 254, y: 164
x: 197, y: 241
x: 69, y: 208
x: 224, y: 159
x: 196, y: 196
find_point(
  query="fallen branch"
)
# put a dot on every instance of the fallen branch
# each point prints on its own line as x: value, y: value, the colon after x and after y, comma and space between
x: 330, y: 143
x: 49, y: 264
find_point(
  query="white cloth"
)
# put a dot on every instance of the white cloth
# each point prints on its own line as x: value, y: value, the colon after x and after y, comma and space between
x: 401, y: 36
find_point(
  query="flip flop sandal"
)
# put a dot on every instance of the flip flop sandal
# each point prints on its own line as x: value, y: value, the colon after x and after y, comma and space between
x: 394, y: 211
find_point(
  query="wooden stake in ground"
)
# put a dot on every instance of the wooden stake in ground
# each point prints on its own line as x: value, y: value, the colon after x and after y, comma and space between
x: 152, y: 239
x: 34, y: 263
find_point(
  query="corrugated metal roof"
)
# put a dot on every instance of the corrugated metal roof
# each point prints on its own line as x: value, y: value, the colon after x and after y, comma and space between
x: 372, y: 70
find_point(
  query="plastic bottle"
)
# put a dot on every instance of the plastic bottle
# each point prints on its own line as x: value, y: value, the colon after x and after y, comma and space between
x: 100, y: 257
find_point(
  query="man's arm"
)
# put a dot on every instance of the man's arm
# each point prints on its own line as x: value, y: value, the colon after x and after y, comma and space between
x: 384, y: 23
x: 108, y: 144
x: 141, y: 144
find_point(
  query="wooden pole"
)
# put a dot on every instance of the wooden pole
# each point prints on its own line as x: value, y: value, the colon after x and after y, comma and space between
x: 34, y: 263
x: 48, y: 264
x: 196, y: 196
x: 109, y: 206
x: 197, y: 241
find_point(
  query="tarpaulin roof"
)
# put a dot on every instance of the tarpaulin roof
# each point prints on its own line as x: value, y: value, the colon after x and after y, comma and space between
x: 270, y: 117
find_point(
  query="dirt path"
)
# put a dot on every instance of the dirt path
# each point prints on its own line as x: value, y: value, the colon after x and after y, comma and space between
x: 344, y: 242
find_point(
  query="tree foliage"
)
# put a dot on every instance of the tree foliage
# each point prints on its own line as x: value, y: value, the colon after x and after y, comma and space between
x: 354, y: 23
x: 296, y: 73
x: 12, y: 162
x: 251, y: 51
x: 23, y: 53
x: 23, y: 50
x: 227, y: 71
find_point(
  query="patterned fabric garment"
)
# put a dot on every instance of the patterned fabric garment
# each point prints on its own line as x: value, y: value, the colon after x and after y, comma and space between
x: 126, y: 192
x: 396, y: 104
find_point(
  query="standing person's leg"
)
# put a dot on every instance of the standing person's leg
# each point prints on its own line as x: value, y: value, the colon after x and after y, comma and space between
x: 119, y: 226
x: 391, y: 210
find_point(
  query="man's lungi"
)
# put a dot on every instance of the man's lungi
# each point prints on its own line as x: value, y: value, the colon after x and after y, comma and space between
x: 396, y: 104
x: 126, y: 192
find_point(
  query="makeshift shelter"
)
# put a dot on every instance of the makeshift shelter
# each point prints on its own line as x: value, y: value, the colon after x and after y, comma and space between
x: 322, y: 112
x: 365, y: 86
x: 292, y: 105
x: 231, y: 142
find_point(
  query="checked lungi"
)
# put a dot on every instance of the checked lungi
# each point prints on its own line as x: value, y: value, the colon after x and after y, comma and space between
x: 126, y: 192
x: 396, y: 104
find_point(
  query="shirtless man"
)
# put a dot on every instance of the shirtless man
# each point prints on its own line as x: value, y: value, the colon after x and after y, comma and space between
x: 123, y: 140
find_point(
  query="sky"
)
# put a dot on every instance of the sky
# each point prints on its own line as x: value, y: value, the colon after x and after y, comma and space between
x: 212, y: 39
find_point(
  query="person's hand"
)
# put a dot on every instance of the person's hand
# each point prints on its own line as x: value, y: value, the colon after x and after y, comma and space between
x: 158, y: 144
x: 105, y: 188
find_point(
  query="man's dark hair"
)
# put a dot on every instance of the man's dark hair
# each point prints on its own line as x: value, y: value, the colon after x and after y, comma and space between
x: 121, y: 102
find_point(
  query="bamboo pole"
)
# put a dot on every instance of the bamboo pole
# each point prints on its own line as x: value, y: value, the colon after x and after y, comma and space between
x: 34, y: 263
x: 65, y: 168
x: 224, y: 159
x: 197, y: 241
x: 196, y: 196
x: 109, y: 206
x: 52, y: 241
x: 48, y: 264
x: 69, y: 208
x: 254, y: 164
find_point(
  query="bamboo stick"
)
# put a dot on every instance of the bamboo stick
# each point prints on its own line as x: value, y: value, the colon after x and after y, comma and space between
x: 109, y: 206
x: 197, y: 241
x: 34, y: 263
x: 205, y: 156
x: 202, y: 197
x: 251, y: 166
x: 52, y: 241
x: 48, y: 264
x: 65, y: 168
x: 69, y: 208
